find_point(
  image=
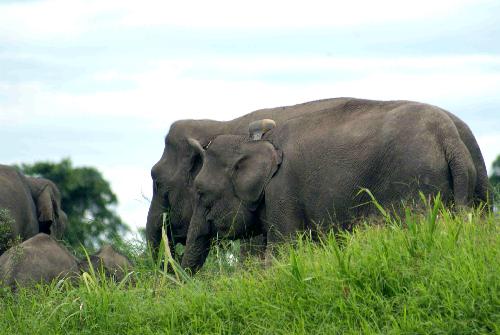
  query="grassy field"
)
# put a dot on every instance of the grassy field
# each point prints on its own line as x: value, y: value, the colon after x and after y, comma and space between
x: 428, y: 273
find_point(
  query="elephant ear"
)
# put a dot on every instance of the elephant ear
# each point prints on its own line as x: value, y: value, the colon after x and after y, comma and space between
x: 46, y: 197
x: 196, y: 146
x: 198, y: 157
x: 45, y: 204
x: 254, y: 169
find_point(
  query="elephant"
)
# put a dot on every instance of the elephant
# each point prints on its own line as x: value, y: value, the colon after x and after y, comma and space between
x: 174, y: 173
x: 179, y: 164
x: 41, y: 259
x: 33, y: 203
x: 306, y: 173
x: 38, y: 259
x: 112, y: 262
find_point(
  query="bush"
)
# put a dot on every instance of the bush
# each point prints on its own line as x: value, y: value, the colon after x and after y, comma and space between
x: 6, y: 223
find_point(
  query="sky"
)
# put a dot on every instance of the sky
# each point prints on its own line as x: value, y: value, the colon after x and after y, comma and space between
x: 101, y: 81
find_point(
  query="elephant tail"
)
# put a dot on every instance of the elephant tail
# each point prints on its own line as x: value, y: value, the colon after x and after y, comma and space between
x: 482, y: 192
x: 462, y: 170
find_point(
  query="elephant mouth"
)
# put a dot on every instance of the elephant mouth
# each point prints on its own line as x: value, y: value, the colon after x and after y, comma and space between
x: 161, y: 192
x: 165, y: 203
x: 179, y: 239
x: 211, y: 226
x: 175, y: 235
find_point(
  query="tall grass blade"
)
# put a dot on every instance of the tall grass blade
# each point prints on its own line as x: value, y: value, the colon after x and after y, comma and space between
x: 374, y: 201
x: 180, y: 274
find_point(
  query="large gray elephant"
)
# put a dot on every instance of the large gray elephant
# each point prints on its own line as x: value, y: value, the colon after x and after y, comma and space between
x: 306, y: 173
x: 33, y: 203
x: 174, y: 173
x: 39, y: 259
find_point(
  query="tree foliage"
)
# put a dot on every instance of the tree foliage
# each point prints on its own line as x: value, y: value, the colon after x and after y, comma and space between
x: 87, y: 199
x: 495, y: 175
x: 495, y: 181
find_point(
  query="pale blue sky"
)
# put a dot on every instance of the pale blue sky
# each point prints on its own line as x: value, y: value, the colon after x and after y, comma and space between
x: 101, y: 81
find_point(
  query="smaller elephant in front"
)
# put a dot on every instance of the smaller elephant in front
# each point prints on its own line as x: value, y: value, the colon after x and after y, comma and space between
x: 114, y: 264
x: 39, y: 259
x: 34, y: 204
x: 42, y: 259
x: 306, y: 173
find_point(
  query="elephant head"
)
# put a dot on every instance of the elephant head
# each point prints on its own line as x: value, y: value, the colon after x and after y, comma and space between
x: 229, y: 189
x: 114, y: 264
x: 47, y: 198
x: 173, y: 177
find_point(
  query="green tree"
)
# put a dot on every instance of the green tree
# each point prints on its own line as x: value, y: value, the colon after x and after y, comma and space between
x: 495, y: 181
x: 495, y: 174
x: 87, y: 199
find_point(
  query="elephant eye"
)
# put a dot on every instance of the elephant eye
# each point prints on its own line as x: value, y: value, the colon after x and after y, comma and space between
x: 202, y: 196
x: 200, y: 193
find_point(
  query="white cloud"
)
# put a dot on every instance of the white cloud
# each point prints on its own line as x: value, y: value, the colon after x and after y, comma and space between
x: 282, y: 13
x: 172, y: 89
x: 270, y: 64
x: 66, y: 19
x: 132, y: 184
x: 45, y: 19
x: 19, y: 101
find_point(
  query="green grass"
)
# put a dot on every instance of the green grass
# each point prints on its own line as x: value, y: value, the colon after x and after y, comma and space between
x: 430, y: 272
x: 6, y: 223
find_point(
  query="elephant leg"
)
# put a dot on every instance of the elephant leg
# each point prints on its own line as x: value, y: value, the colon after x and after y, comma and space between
x: 282, y: 225
x: 283, y: 216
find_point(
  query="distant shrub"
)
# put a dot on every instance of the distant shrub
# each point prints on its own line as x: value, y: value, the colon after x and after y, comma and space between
x: 6, y: 223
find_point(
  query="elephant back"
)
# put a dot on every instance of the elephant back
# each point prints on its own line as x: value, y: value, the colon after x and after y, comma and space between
x: 38, y: 259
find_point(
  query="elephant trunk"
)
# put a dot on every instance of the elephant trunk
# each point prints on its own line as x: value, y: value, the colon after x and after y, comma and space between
x: 154, y: 225
x: 198, y: 243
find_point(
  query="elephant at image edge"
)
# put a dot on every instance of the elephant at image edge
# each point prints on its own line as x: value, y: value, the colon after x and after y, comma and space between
x: 42, y: 259
x: 308, y: 172
x: 174, y: 173
x: 33, y: 203
x: 38, y: 259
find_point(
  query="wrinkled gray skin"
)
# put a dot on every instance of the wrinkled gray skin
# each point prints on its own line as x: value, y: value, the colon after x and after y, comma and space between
x: 174, y: 173
x: 33, y: 203
x: 41, y: 259
x: 38, y: 259
x: 112, y: 262
x: 306, y: 173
